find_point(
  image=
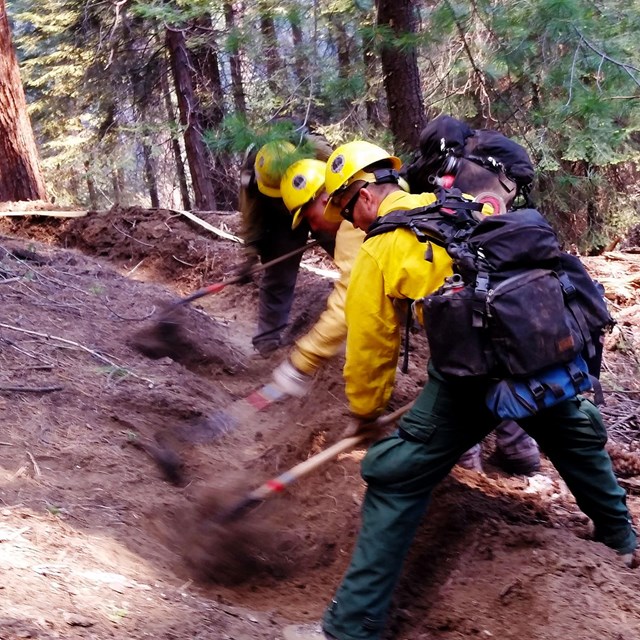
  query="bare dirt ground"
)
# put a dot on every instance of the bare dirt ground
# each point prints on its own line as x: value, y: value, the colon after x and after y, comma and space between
x: 99, y: 540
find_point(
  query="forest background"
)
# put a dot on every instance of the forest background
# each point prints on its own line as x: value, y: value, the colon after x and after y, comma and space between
x: 154, y: 102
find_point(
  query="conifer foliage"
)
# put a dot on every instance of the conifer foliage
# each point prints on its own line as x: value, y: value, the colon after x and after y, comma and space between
x: 155, y: 102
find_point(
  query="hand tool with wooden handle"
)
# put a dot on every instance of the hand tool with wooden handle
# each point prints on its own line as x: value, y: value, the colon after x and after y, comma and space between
x: 281, y: 482
x: 219, y: 286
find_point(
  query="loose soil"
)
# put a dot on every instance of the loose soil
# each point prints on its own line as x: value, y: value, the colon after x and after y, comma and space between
x: 109, y: 492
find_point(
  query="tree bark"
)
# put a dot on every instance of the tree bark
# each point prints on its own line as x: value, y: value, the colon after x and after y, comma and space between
x: 197, y: 154
x: 150, y: 179
x: 370, y: 61
x: 400, y: 74
x: 91, y: 186
x: 142, y: 81
x: 271, y: 54
x: 299, y: 59
x: 175, y: 142
x: 20, y: 174
x: 235, y: 63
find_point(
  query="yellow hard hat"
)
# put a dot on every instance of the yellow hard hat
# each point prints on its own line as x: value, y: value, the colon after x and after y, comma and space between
x: 345, y: 166
x: 272, y: 160
x: 300, y: 184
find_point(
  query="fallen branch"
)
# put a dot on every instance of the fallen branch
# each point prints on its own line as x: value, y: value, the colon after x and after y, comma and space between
x: 207, y: 226
x: 31, y: 389
x: 36, y: 468
x: 92, y: 352
x: 334, y: 275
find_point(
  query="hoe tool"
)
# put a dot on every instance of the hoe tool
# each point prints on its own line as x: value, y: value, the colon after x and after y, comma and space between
x: 219, y: 286
x: 165, y: 337
x: 280, y: 483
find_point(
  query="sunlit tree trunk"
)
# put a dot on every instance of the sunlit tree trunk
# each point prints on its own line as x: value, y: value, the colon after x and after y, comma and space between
x: 197, y: 154
x: 235, y: 63
x: 175, y: 142
x: 20, y: 174
x: 299, y: 59
x: 271, y: 54
x: 210, y: 93
x: 401, y: 76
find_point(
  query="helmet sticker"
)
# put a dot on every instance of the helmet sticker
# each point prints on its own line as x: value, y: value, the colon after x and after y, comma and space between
x: 337, y: 164
x: 299, y: 181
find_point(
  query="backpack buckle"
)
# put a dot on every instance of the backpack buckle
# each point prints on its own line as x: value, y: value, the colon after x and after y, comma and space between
x: 537, y: 389
x: 568, y: 287
x: 482, y: 282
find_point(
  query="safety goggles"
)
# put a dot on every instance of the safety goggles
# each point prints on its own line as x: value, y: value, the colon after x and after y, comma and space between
x: 346, y: 211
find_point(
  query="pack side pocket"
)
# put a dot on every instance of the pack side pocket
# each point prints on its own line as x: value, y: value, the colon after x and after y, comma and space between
x: 516, y: 399
x: 530, y: 326
x: 457, y: 348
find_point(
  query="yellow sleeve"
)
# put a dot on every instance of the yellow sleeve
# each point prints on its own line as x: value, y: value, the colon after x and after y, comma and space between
x: 389, y: 267
x: 373, y: 339
x: 327, y: 336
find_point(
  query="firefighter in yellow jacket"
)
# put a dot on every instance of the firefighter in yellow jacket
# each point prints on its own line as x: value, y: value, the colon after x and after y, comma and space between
x: 448, y: 417
x: 303, y: 193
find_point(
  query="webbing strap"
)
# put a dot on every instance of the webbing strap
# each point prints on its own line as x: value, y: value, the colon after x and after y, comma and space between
x: 569, y: 291
x: 449, y: 207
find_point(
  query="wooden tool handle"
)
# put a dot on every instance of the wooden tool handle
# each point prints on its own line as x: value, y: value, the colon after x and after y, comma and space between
x: 278, y: 484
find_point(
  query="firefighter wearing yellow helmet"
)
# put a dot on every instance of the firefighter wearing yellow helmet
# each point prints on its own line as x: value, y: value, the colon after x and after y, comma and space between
x: 267, y: 232
x: 303, y: 193
x: 448, y: 416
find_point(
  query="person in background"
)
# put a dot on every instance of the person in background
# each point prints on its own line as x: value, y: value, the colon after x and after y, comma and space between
x: 304, y: 195
x: 267, y: 232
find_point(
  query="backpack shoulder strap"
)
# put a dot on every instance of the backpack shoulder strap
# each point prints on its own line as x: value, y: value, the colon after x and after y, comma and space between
x: 447, y: 219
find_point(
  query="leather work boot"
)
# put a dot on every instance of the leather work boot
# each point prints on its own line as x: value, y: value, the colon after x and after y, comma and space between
x: 311, y: 631
x: 471, y: 459
x: 523, y: 465
x: 516, y: 452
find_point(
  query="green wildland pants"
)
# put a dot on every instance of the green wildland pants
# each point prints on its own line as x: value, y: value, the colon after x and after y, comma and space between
x: 401, y: 471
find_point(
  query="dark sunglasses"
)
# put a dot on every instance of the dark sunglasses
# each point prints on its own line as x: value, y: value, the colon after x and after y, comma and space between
x: 347, y: 210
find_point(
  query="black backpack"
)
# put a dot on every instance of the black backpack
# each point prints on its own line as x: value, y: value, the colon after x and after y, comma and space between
x: 449, y: 146
x: 516, y: 304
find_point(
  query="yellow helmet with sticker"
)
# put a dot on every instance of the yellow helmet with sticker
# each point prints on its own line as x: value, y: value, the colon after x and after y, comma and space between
x: 346, y: 165
x: 300, y: 184
x: 271, y: 162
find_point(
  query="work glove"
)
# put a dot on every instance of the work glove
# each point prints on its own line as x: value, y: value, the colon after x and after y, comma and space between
x: 368, y: 429
x: 290, y: 380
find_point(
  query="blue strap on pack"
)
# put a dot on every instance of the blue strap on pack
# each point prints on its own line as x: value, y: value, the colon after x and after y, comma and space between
x: 515, y: 398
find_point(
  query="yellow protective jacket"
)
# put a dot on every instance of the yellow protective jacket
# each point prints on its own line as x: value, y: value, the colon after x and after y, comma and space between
x: 390, y: 266
x: 327, y: 336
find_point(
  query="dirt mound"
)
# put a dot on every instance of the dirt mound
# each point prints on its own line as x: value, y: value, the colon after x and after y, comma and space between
x: 98, y: 540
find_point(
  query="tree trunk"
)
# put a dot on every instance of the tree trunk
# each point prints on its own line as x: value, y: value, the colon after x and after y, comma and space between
x: 150, y: 175
x: 271, y: 54
x: 210, y: 95
x: 175, y: 142
x: 344, y: 57
x: 197, y: 154
x: 299, y: 59
x: 20, y: 174
x: 142, y: 80
x: 371, y: 72
x: 400, y: 74
x: 204, y: 53
x: 91, y: 186
x: 235, y: 63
